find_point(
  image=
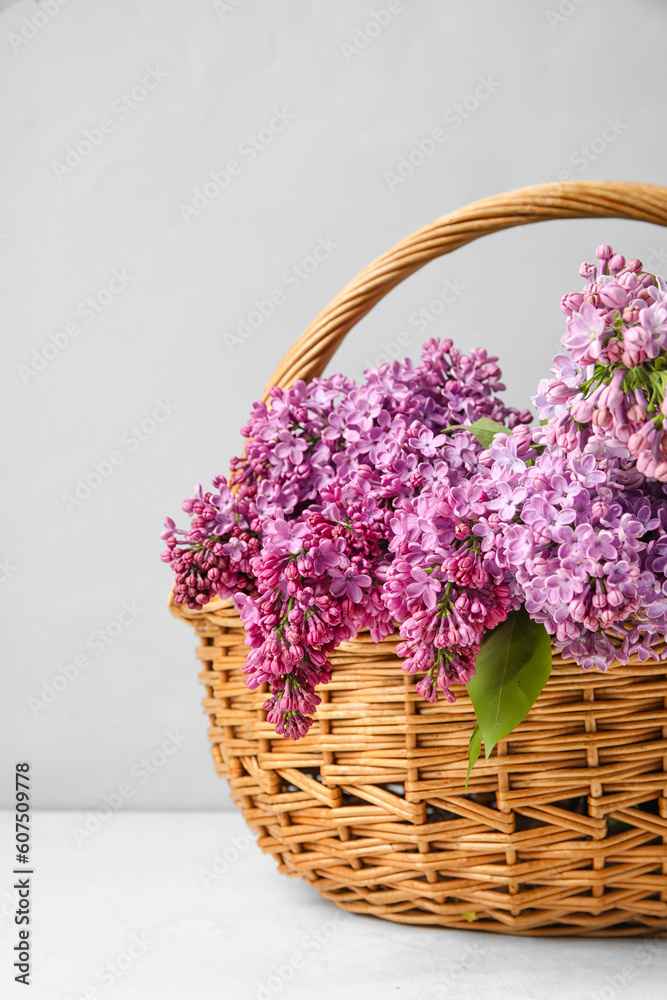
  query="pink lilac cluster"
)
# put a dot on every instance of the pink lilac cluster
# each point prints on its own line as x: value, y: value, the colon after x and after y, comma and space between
x: 213, y: 557
x: 610, y: 386
x: 444, y: 585
x: 372, y: 506
x: 319, y: 579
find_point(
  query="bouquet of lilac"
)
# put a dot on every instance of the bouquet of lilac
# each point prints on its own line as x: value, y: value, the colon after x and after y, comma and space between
x: 418, y: 501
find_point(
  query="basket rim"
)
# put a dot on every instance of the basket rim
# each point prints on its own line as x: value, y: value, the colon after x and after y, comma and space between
x: 313, y: 349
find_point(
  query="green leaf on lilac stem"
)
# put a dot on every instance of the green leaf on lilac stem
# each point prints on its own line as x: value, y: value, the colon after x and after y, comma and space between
x: 512, y: 667
x: 483, y: 429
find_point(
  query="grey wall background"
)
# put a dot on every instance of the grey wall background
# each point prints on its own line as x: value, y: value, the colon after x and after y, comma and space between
x: 561, y: 75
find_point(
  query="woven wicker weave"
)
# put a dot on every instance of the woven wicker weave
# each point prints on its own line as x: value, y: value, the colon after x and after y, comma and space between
x: 563, y: 831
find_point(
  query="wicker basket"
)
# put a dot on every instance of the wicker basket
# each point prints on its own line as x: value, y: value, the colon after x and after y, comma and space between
x: 563, y: 830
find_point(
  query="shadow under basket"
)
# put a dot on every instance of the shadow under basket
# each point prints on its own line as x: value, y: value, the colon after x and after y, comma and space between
x: 562, y: 831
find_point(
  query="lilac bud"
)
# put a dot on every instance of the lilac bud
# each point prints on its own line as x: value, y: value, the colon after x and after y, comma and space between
x: 634, y: 265
x: 603, y: 253
x: 612, y: 394
x: 630, y: 314
x: 591, y: 297
x: 571, y: 303
x: 637, y: 413
x: 607, y: 618
x: 614, y: 351
x: 588, y: 271
x: 577, y: 609
x: 582, y: 410
x: 602, y: 418
x: 614, y: 295
x: 637, y: 443
x: 631, y: 357
x: 558, y: 392
x: 616, y: 263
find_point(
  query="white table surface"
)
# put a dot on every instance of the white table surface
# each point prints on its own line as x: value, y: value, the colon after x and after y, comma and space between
x: 140, y: 883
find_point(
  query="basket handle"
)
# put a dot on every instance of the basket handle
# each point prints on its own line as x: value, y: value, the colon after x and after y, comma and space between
x: 311, y: 352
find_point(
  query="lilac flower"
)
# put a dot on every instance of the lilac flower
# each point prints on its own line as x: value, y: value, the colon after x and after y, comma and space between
x: 424, y: 587
x: 507, y: 500
x: 348, y: 583
x: 235, y: 548
x: 281, y: 535
x: 584, y: 334
x: 326, y: 555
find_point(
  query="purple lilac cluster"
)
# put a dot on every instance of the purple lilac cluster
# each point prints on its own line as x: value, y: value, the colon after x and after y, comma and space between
x: 578, y: 546
x: 312, y: 433
x: 305, y: 526
x: 373, y: 506
x: 610, y: 386
x: 605, y: 410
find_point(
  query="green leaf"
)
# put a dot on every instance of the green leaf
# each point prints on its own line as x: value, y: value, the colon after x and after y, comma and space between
x: 483, y: 429
x: 474, y: 750
x: 512, y: 667
x: 470, y: 917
